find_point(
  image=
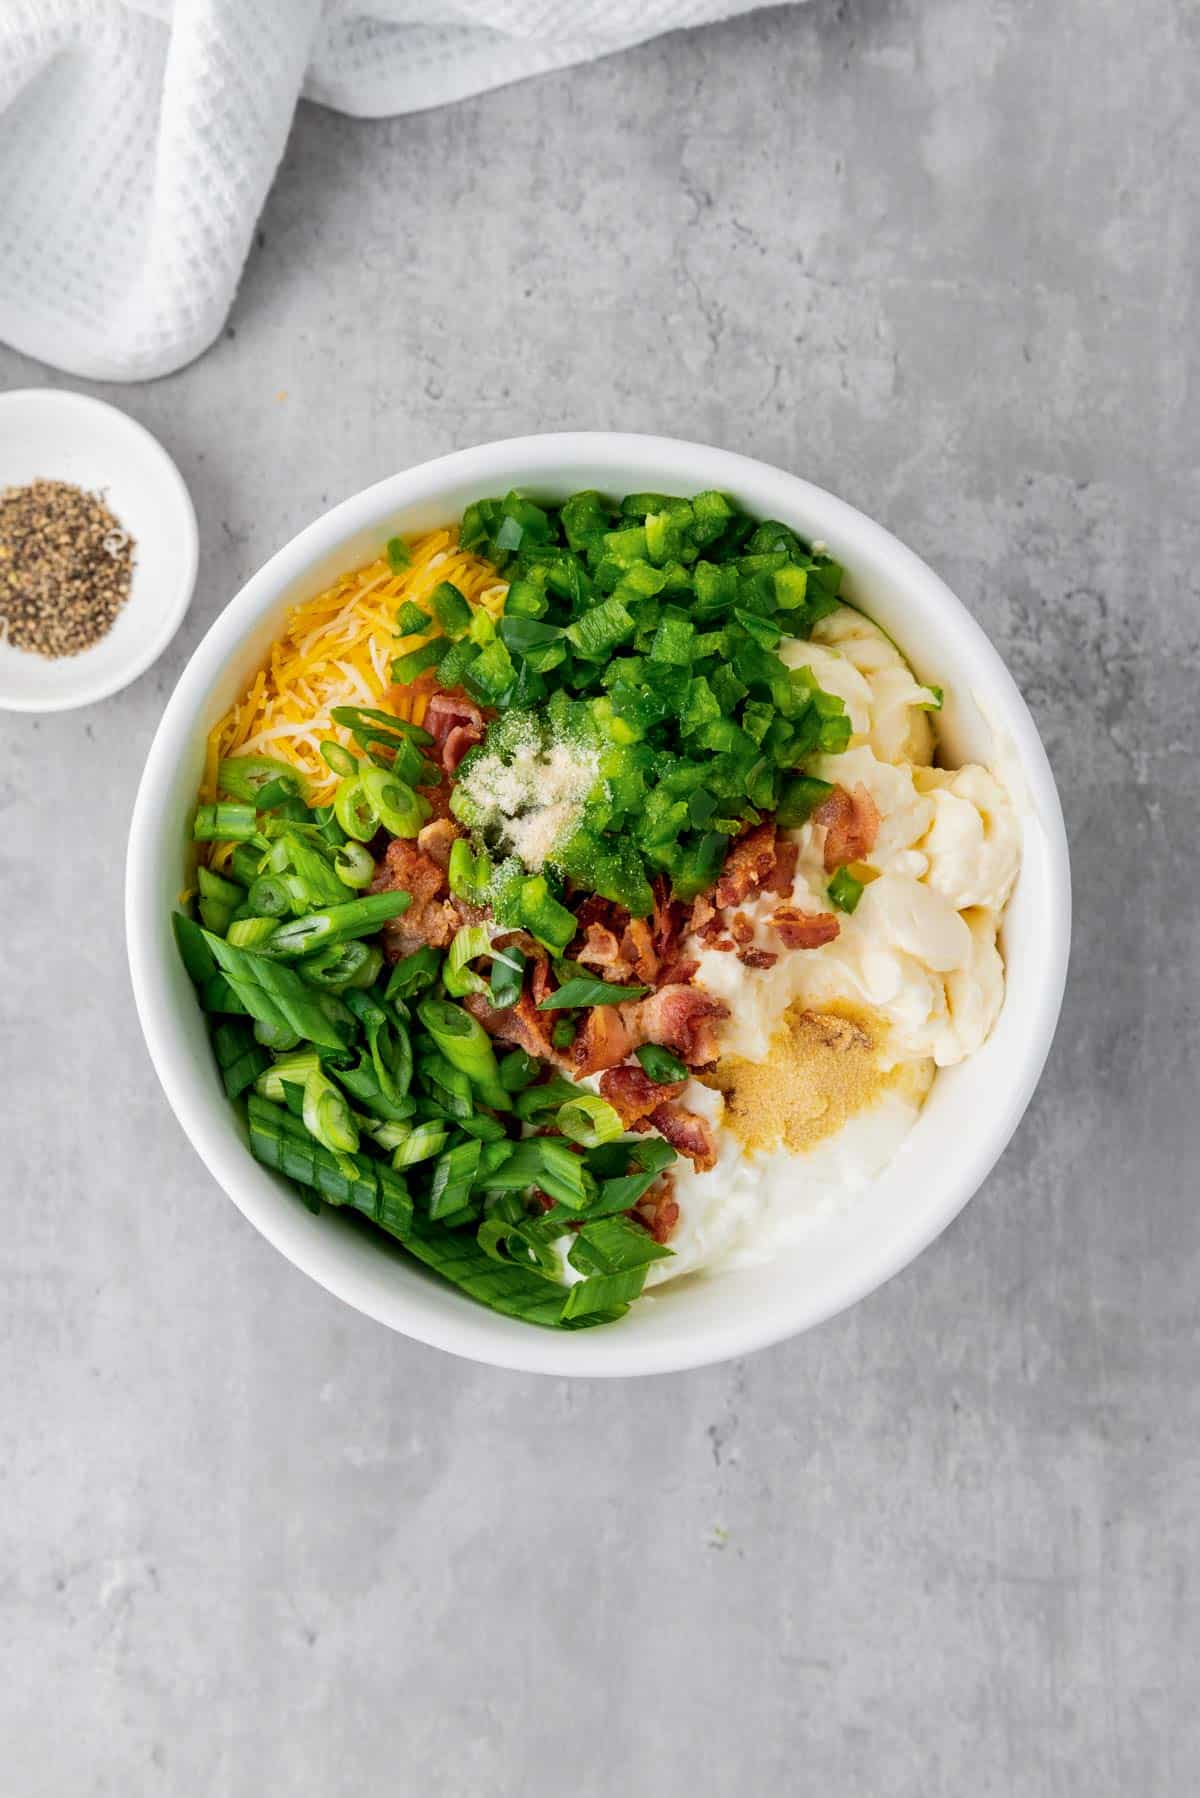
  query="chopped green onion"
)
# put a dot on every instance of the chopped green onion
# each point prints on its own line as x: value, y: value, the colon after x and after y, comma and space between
x: 472, y: 940
x: 268, y: 897
x: 398, y: 554
x: 508, y: 974
x: 518, y: 1070
x: 327, y: 1115
x: 282, y: 1142
x: 246, y: 862
x: 420, y: 1143
x: 844, y: 890
x: 413, y: 973
x: 240, y: 1058
x: 660, y: 1065
x: 223, y: 823
x: 353, y: 964
x: 614, y: 1245
x: 399, y: 809
x: 251, y: 933
x: 609, y: 1294
x: 275, y: 994
x: 194, y: 952
x: 589, y: 1120
x: 337, y: 924
x: 354, y: 865
x: 586, y: 992
x: 294, y: 1068
x: 466, y: 1045
x: 563, y: 1033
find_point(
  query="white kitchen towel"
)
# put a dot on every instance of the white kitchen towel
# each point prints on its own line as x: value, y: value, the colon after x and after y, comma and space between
x: 138, y: 139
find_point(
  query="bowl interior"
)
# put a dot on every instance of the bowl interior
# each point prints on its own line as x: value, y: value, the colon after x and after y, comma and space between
x: 971, y: 1110
x: 55, y: 435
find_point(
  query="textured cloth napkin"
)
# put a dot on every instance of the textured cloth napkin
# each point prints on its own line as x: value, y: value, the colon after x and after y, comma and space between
x: 138, y: 139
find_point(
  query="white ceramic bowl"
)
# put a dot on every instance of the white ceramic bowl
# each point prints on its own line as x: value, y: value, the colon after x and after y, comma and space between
x: 49, y: 433
x: 972, y: 1110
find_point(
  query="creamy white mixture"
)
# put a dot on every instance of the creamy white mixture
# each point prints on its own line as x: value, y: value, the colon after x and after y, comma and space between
x: 919, y: 950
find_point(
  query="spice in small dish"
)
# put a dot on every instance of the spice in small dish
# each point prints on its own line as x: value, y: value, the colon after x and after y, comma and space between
x: 66, y: 565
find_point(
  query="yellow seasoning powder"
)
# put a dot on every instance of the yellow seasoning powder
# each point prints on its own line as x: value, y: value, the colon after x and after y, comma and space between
x: 823, y: 1067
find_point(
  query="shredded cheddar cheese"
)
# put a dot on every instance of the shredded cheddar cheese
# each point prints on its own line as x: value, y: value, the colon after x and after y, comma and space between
x: 337, y: 649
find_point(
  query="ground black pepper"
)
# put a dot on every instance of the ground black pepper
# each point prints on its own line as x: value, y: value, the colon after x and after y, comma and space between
x: 65, y: 568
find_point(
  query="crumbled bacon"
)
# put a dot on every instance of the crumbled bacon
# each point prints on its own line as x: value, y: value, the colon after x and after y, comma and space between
x: 456, y: 725
x: 658, y: 1209
x: 804, y: 929
x: 687, y: 1132
x: 741, y: 928
x: 602, y: 950
x: 521, y: 1024
x: 668, y: 919
x: 633, y: 1095
x: 603, y: 1039
x: 682, y: 1018
x: 432, y: 918
x: 783, y: 874
x: 437, y: 838
x: 851, y: 821
x: 747, y: 866
x: 704, y: 915
x: 757, y: 958
x: 678, y: 973
x: 638, y: 951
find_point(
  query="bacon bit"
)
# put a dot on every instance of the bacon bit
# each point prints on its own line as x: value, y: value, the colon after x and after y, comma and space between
x: 521, y: 1024
x: 602, y: 950
x: 431, y: 918
x: 633, y: 1095
x: 757, y: 958
x: 703, y: 913
x: 437, y: 838
x: 687, y: 1132
x: 747, y: 866
x: 805, y: 929
x: 741, y: 928
x: 637, y: 948
x: 667, y: 922
x: 658, y: 1209
x: 439, y: 800
x: 783, y: 875
x: 678, y: 973
x: 604, y: 1039
x: 456, y: 725
x: 682, y: 1018
x: 725, y: 944
x: 851, y: 823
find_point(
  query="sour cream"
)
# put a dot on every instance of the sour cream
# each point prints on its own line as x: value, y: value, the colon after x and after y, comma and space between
x: 919, y: 953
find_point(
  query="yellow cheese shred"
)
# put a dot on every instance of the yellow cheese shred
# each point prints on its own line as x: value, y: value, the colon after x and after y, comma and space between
x: 337, y: 649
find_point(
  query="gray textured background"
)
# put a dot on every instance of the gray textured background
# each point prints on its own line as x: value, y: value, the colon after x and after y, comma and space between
x: 939, y: 258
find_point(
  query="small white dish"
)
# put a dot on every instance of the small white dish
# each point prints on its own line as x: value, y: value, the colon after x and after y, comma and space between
x: 972, y: 1109
x: 50, y: 434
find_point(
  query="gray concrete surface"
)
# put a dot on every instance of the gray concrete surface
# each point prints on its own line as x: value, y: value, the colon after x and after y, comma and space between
x: 942, y: 260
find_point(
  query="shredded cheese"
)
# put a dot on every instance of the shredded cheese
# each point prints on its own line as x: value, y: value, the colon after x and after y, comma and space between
x: 337, y: 649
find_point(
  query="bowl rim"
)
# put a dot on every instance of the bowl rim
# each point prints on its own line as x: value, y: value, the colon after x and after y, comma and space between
x: 173, y: 486
x: 585, y: 1353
